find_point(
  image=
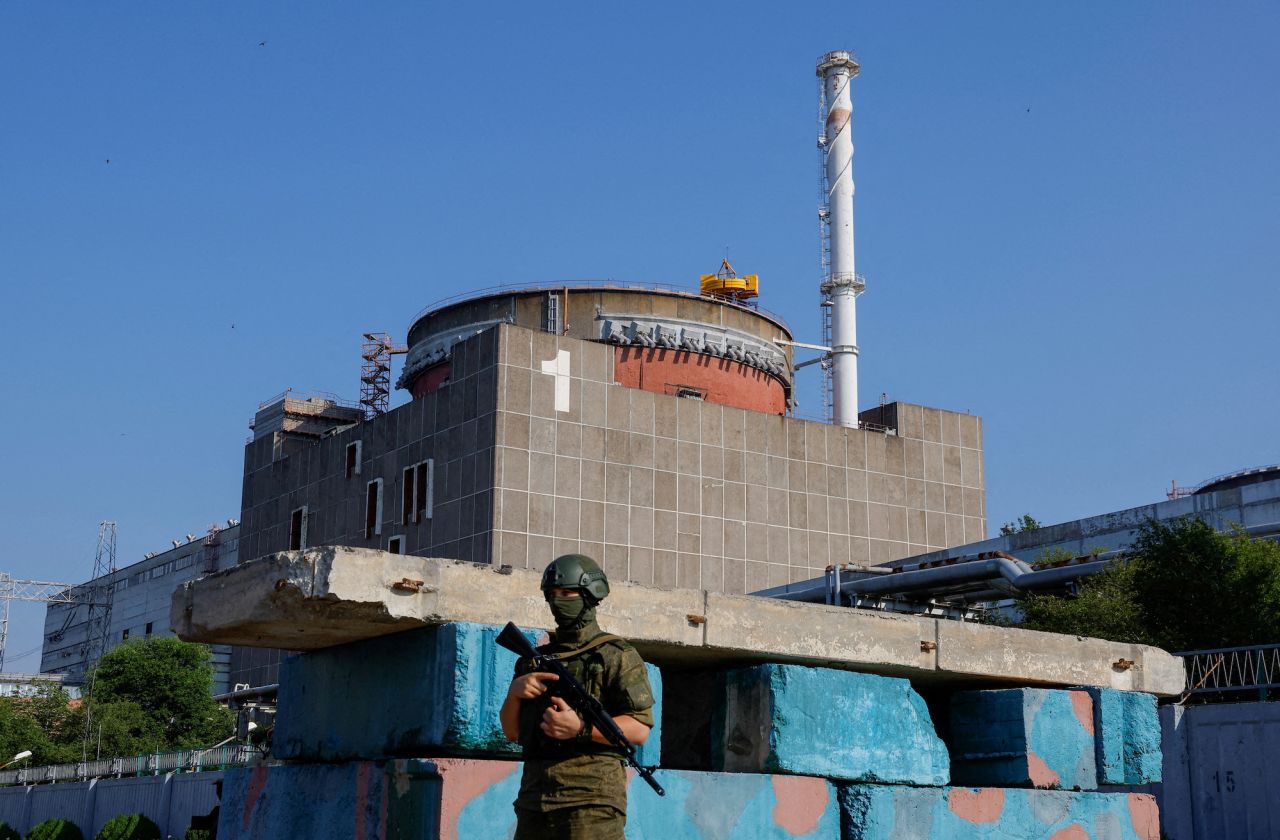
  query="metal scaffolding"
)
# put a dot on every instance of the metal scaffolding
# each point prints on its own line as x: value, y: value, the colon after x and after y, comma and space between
x: 38, y: 591
x: 375, y: 372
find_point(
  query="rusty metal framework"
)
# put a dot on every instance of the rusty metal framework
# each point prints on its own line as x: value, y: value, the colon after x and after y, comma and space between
x: 375, y: 372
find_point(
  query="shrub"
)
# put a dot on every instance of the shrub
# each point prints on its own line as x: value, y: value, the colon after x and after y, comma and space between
x: 8, y: 832
x: 55, y: 829
x: 198, y: 834
x: 129, y: 827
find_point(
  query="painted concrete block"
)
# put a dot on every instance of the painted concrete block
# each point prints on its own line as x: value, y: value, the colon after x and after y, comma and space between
x: 1023, y: 737
x: 459, y: 799
x: 885, y: 812
x: 433, y: 690
x: 1127, y: 727
x: 825, y: 722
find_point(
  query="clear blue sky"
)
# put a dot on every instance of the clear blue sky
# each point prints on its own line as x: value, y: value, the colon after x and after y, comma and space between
x: 1067, y: 214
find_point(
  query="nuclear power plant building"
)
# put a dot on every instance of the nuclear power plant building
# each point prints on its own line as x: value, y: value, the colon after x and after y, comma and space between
x: 646, y: 427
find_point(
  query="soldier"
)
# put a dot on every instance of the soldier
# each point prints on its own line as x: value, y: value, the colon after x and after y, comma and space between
x: 574, y: 785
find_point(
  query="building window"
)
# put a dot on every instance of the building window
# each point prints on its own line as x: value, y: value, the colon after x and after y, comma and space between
x: 298, y: 529
x: 353, y: 458
x: 395, y: 545
x: 416, y: 492
x: 149, y: 623
x: 373, y: 509
x: 423, y: 489
x: 408, y: 513
x: 124, y: 634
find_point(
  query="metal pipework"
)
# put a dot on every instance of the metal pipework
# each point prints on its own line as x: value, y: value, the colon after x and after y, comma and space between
x: 842, y: 287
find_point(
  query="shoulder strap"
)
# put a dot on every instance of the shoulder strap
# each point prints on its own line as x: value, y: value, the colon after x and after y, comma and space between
x: 602, y: 639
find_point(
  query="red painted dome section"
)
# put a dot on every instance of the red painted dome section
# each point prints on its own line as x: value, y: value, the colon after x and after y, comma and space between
x: 430, y: 379
x: 682, y: 373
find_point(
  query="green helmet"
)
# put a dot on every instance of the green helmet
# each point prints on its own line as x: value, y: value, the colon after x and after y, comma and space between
x: 576, y: 571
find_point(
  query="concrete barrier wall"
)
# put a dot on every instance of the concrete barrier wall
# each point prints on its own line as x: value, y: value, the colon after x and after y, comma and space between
x: 414, y: 693
x: 170, y: 801
x: 882, y: 812
x: 1024, y: 737
x: 459, y: 799
x: 825, y: 722
x: 1127, y: 737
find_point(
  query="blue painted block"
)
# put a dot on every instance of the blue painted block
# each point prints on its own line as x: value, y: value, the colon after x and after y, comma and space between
x: 825, y: 722
x: 884, y: 812
x: 1032, y: 737
x: 318, y: 801
x: 459, y: 799
x: 1127, y: 727
x: 438, y: 689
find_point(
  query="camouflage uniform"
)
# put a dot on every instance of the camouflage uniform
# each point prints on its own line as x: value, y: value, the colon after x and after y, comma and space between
x: 577, y: 788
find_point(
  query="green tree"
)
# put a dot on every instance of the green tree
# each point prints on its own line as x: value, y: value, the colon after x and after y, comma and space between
x: 1183, y: 586
x: 128, y: 827
x: 55, y: 829
x: 1026, y: 522
x: 36, y: 723
x: 1198, y: 588
x: 1104, y: 608
x: 157, y: 694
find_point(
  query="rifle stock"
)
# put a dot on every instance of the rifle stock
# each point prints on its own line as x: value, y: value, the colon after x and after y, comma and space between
x: 579, y: 698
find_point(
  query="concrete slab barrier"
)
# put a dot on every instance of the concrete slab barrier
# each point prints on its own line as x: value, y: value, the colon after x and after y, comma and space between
x: 826, y: 722
x: 431, y: 690
x: 1032, y: 737
x: 883, y: 812
x: 306, y: 600
x: 459, y: 799
x: 1127, y: 737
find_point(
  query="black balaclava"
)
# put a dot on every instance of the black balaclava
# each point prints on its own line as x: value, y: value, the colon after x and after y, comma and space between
x: 575, y: 618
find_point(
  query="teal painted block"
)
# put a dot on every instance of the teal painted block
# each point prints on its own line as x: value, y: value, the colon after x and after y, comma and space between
x: 459, y: 799
x: 1032, y: 737
x: 885, y: 812
x: 1127, y: 726
x: 825, y: 722
x: 434, y: 690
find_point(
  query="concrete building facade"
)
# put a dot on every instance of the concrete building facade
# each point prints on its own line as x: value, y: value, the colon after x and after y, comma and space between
x: 1250, y: 500
x: 533, y: 445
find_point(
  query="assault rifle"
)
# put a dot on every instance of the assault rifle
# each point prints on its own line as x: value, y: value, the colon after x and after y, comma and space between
x: 578, y: 698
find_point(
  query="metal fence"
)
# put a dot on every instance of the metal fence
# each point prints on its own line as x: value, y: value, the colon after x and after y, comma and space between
x: 1233, y: 669
x: 154, y: 764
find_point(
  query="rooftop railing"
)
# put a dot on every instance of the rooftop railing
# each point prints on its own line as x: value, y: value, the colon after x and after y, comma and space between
x: 586, y: 285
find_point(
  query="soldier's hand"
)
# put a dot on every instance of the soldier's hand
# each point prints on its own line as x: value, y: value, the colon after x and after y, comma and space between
x: 560, y: 720
x: 529, y: 686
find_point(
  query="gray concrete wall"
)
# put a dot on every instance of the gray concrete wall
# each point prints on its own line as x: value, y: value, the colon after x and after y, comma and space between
x: 1220, y: 777
x: 678, y: 492
x: 453, y: 428
x: 170, y: 801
